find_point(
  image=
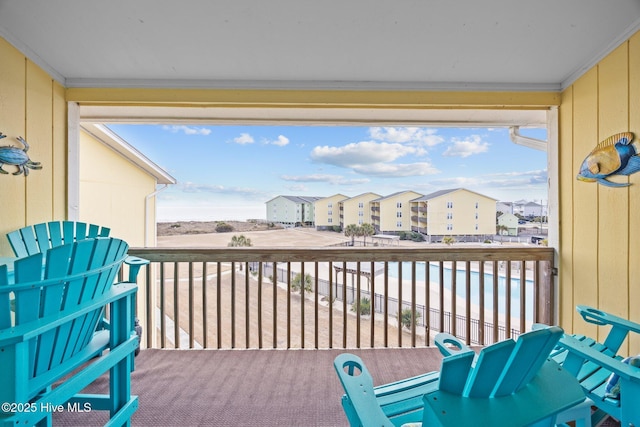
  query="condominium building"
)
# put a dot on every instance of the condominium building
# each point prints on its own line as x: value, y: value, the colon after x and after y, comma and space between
x: 357, y: 209
x: 328, y: 211
x: 454, y: 212
x: 291, y: 211
x: 392, y: 213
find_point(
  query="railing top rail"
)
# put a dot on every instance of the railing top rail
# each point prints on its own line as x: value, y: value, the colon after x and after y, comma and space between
x: 338, y: 254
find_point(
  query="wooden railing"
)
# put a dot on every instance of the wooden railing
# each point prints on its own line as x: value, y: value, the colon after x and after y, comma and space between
x: 256, y: 297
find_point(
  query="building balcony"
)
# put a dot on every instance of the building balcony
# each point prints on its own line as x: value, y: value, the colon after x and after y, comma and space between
x: 247, y: 305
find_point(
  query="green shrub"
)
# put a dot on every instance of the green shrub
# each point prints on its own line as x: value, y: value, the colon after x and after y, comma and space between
x: 223, y: 227
x: 405, y: 318
x: 365, y: 307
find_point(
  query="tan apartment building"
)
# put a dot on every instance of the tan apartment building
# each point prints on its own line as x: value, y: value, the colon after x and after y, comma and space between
x: 357, y: 209
x: 455, y: 212
x: 392, y: 213
x: 328, y: 211
x: 292, y: 211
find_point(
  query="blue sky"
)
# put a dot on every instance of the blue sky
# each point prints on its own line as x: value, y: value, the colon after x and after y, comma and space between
x: 229, y: 172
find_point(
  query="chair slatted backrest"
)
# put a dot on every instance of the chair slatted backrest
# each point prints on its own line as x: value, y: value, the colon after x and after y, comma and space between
x: 500, y: 369
x: 72, y: 276
x: 41, y: 237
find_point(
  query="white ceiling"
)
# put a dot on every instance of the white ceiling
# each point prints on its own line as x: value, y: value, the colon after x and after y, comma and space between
x: 349, y: 44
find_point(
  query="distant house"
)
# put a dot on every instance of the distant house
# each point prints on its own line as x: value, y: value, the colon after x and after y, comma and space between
x: 119, y: 190
x: 327, y: 211
x: 454, y: 212
x: 504, y: 207
x: 533, y: 209
x: 357, y: 210
x: 392, y: 213
x: 510, y: 224
x: 292, y: 211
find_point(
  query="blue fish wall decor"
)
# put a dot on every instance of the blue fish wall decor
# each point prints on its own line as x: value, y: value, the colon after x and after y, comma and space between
x: 616, y: 155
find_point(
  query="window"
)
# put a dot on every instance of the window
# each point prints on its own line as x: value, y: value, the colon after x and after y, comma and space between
x: 476, y: 205
x: 449, y: 227
x: 330, y: 220
x: 330, y: 212
x: 398, y: 214
x: 360, y: 213
x: 361, y: 205
x: 399, y: 224
x: 449, y: 205
x: 399, y: 205
x: 449, y: 215
x: 330, y: 205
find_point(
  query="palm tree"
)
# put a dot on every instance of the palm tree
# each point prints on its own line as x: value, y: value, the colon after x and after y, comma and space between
x: 367, y: 229
x: 239, y: 241
x: 352, y: 231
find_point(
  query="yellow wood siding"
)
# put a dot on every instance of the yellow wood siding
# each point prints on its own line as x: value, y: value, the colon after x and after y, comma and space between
x: 113, y: 192
x: 598, y: 247
x: 33, y: 106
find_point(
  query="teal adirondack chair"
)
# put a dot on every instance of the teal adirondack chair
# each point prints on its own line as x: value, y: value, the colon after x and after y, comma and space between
x: 50, y: 307
x: 593, y: 364
x: 41, y: 237
x: 510, y: 383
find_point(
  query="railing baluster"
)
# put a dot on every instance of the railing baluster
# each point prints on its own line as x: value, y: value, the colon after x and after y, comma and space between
x: 192, y: 329
x: 176, y: 305
x: 357, y: 303
x: 496, y: 319
x: 316, y: 306
x: 372, y: 303
x: 205, y: 305
x: 508, y: 284
x: 523, y: 295
x: 427, y: 299
x: 303, y: 283
x: 400, y: 301
x: 288, y: 304
x: 414, y: 317
x: 275, y: 308
x: 219, y: 303
x: 331, y: 303
x: 443, y: 327
x: 467, y: 311
x: 344, y: 304
x: 247, y: 300
x: 259, y: 305
x: 454, y: 300
x: 163, y: 323
x: 481, y: 304
x: 386, y: 304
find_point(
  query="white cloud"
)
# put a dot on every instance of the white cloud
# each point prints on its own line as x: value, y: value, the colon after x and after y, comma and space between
x: 244, y: 138
x: 466, y: 147
x: 249, y: 193
x: 326, y: 178
x: 360, y: 153
x: 281, y: 141
x: 396, y: 170
x: 407, y: 135
x: 187, y: 130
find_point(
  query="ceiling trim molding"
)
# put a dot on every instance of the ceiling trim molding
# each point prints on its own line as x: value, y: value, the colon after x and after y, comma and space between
x: 32, y: 56
x: 606, y: 50
x: 312, y: 85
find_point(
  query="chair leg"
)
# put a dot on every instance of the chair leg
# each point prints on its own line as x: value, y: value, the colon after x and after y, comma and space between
x: 581, y: 414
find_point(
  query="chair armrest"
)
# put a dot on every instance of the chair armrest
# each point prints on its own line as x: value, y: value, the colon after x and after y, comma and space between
x: 358, y: 385
x: 134, y: 263
x: 450, y: 345
x: 37, y: 327
x: 601, y: 318
x: 585, y: 352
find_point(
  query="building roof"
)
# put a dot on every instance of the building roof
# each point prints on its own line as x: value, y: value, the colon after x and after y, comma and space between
x: 441, y: 193
x: 119, y: 145
x: 397, y: 193
x: 298, y: 199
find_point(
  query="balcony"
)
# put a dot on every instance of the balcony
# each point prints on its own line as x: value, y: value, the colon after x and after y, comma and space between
x: 227, y: 299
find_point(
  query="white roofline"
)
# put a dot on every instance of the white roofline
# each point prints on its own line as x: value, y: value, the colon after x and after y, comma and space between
x: 115, y: 142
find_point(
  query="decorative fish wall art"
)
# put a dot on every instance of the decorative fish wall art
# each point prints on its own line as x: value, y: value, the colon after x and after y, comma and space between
x: 616, y: 155
x: 10, y: 155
